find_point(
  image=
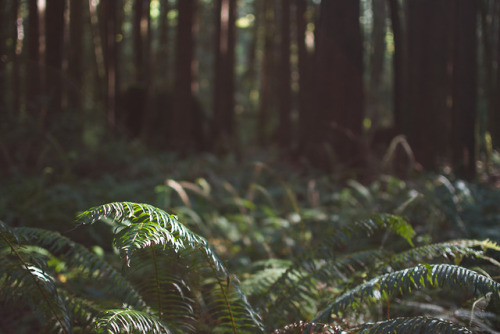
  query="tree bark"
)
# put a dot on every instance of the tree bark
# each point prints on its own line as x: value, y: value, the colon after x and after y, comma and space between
x: 182, y: 126
x: 377, y: 56
x: 33, y: 77
x: 223, y: 113
x: 340, y: 79
x: 54, y: 46
x: 285, y: 84
x: 464, y: 88
x: 75, y: 54
x: 429, y: 102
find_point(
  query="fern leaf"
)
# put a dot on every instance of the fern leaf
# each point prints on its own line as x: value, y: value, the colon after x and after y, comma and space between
x: 403, y: 281
x: 142, y: 225
x: 130, y: 321
x: 416, y: 325
x: 86, y: 262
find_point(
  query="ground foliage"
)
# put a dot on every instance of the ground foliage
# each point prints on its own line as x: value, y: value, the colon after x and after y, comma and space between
x: 284, y: 247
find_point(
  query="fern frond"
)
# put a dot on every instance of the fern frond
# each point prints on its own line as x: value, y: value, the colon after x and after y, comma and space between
x: 84, y: 261
x: 454, y: 249
x: 130, y: 321
x: 20, y: 279
x: 404, y: 281
x: 142, y: 225
x: 412, y: 326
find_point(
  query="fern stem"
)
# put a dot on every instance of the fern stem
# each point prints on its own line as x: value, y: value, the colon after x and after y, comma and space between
x: 44, y: 296
x: 221, y: 286
x: 157, y: 277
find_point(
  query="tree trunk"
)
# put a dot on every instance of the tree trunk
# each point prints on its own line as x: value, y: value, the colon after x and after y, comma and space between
x: 266, y: 76
x: 225, y: 32
x: 400, y: 73
x: 14, y: 56
x: 162, y: 53
x: 377, y: 57
x: 340, y: 79
x: 284, y: 83
x: 33, y: 89
x: 464, y: 88
x: 75, y: 54
x: 181, y: 127
x: 54, y: 46
x: 429, y: 101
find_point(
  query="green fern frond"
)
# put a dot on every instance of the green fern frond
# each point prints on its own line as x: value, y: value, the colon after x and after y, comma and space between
x: 454, y: 249
x: 404, y: 281
x: 81, y: 259
x: 142, y: 225
x: 21, y: 279
x: 130, y: 321
x: 417, y: 325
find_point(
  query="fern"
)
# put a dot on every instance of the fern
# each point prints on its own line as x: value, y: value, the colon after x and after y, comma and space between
x: 413, y: 326
x: 130, y: 321
x: 404, y: 281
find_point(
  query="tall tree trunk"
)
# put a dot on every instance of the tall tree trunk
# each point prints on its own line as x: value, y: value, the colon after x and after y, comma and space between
x: 266, y: 76
x: 429, y: 101
x: 304, y: 102
x: 5, y: 23
x: 54, y: 46
x: 284, y: 83
x: 183, y: 111
x: 109, y: 29
x: 162, y: 53
x: 33, y: 94
x: 340, y: 79
x: 400, y: 73
x: 225, y: 38
x: 377, y: 56
x: 141, y: 40
x: 75, y: 54
x: 465, y: 87
x: 15, y: 57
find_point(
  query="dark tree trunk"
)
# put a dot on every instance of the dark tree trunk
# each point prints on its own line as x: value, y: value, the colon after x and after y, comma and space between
x: 5, y: 23
x: 33, y: 93
x: 284, y: 82
x: 429, y: 104
x: 464, y: 88
x: 182, y: 130
x: 223, y: 114
x: 75, y: 54
x: 304, y: 102
x: 162, y: 53
x: 54, y: 47
x: 109, y: 29
x: 340, y: 79
x: 141, y: 40
x: 266, y: 101
x: 400, y: 74
x: 377, y: 56
x: 14, y: 56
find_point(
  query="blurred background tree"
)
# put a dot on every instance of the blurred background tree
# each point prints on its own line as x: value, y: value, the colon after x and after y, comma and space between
x: 328, y: 81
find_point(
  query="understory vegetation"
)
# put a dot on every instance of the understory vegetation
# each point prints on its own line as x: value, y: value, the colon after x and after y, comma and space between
x: 205, y: 245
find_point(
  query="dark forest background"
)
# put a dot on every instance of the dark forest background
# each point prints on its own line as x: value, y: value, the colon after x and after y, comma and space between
x: 329, y: 81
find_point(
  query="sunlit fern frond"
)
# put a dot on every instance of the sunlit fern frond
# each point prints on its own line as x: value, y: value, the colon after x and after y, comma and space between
x: 141, y: 226
x: 416, y: 325
x: 137, y: 226
x: 406, y: 280
x: 130, y: 321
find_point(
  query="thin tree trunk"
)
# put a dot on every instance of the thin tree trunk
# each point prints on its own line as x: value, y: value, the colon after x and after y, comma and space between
x: 162, y: 53
x: 14, y: 55
x: 54, y: 39
x: 400, y: 81
x: 33, y: 93
x: 223, y: 121
x: 75, y: 53
x: 285, y: 84
x: 266, y: 75
x: 377, y: 55
x: 181, y: 127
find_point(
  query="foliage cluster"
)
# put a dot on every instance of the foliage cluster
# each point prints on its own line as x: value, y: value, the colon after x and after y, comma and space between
x: 282, y: 253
